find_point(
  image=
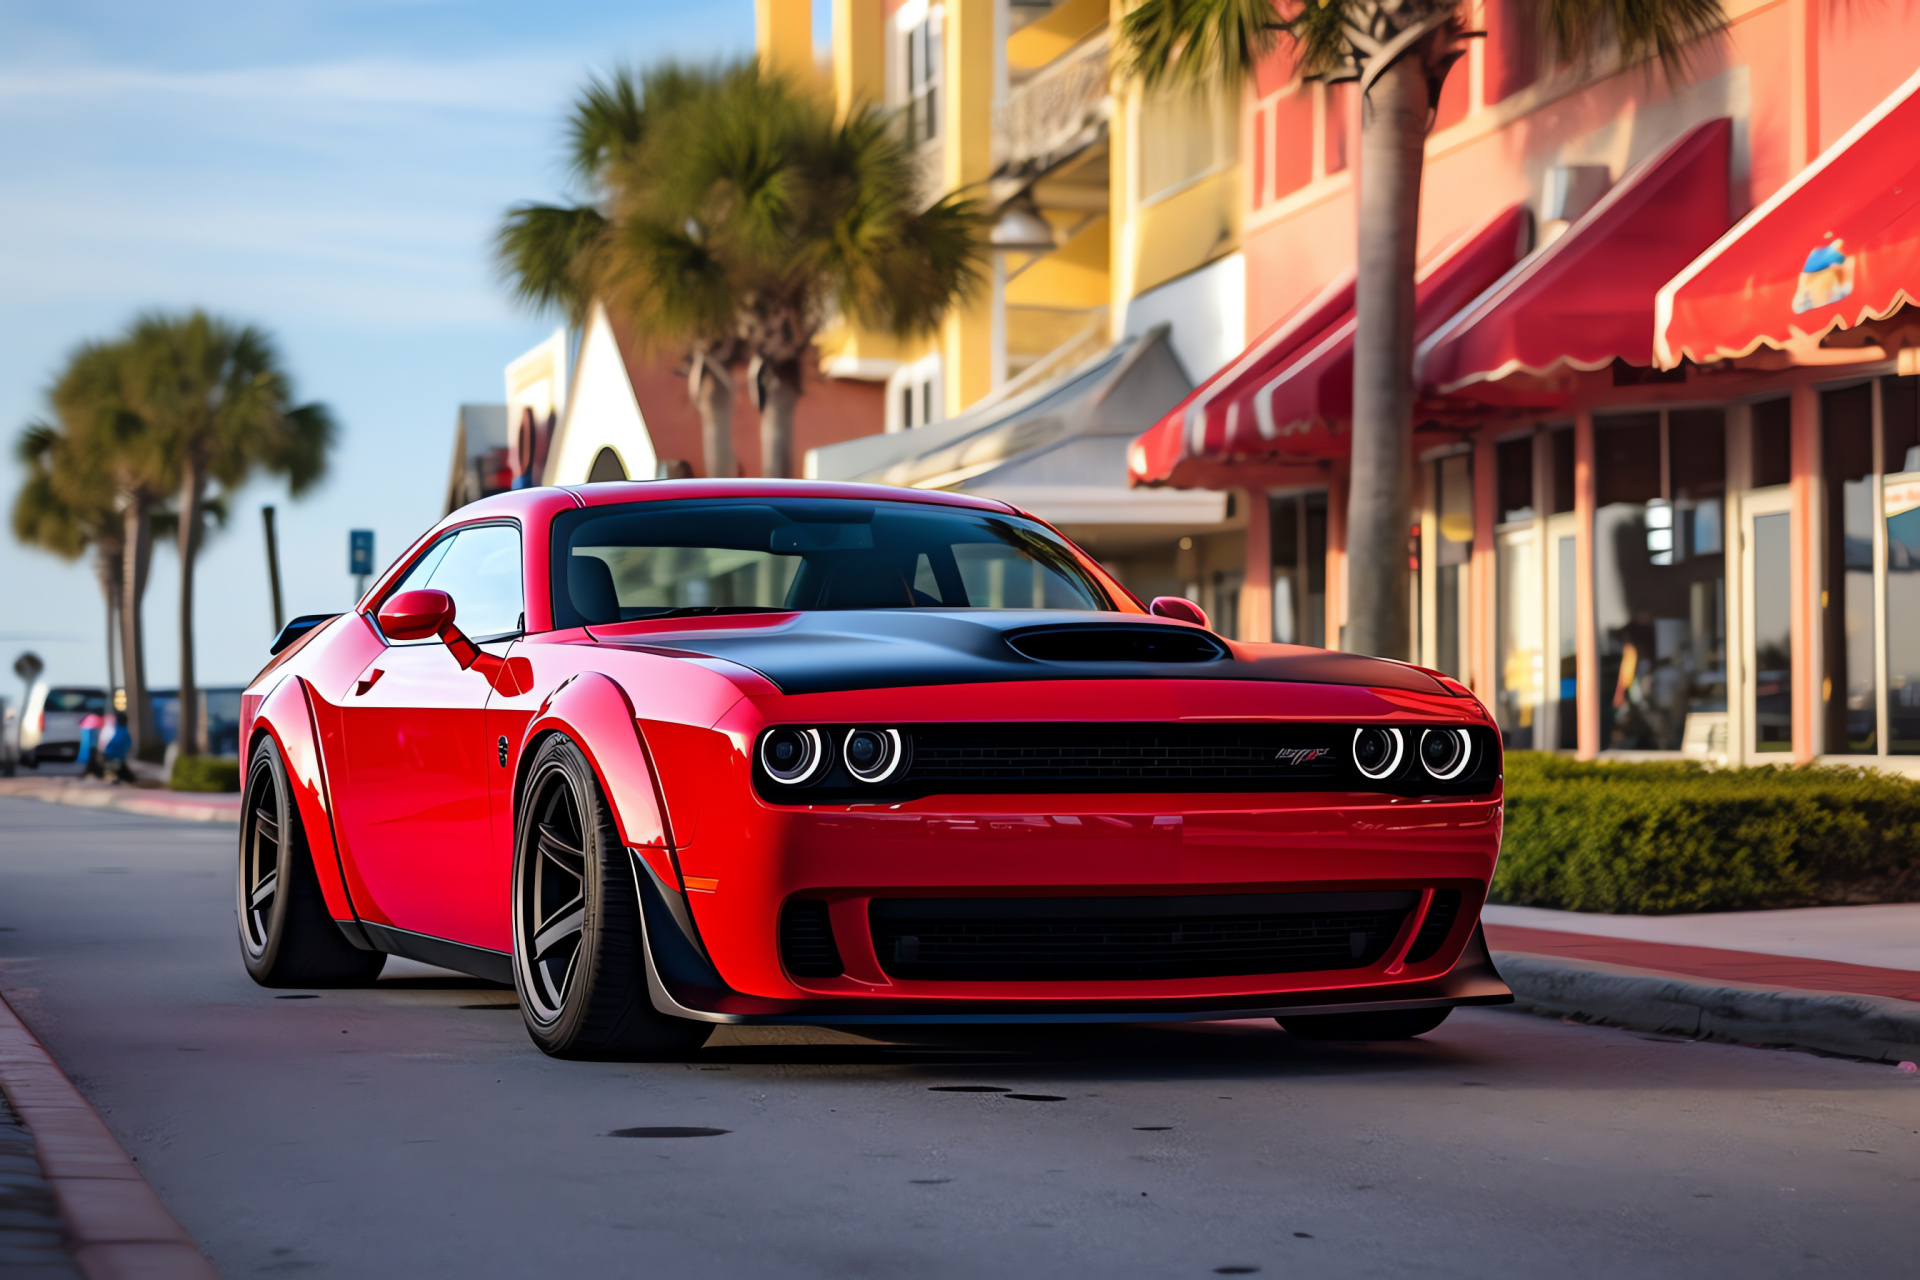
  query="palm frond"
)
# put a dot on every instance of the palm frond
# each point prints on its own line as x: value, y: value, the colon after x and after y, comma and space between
x: 1644, y: 31
x: 549, y: 257
x: 1199, y: 45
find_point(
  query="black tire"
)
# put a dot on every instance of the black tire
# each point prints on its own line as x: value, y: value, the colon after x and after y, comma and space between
x: 577, y: 940
x: 287, y: 936
x: 1392, y: 1024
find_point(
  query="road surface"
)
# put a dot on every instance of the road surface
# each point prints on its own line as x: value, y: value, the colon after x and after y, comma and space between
x: 412, y: 1130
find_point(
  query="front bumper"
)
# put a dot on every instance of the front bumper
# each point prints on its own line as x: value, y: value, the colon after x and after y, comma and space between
x: 682, y: 983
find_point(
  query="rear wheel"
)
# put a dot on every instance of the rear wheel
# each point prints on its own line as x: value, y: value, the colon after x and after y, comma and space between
x: 1392, y: 1024
x: 578, y: 957
x: 287, y: 936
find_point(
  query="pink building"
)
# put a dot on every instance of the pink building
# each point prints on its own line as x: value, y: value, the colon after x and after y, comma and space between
x: 1668, y: 454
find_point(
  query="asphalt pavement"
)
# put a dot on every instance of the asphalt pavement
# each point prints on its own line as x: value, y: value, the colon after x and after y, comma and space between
x: 413, y: 1130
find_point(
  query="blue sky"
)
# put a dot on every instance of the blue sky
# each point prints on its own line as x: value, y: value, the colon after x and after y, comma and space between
x: 329, y: 169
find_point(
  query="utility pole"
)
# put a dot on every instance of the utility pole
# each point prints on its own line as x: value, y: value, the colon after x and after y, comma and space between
x: 273, y: 567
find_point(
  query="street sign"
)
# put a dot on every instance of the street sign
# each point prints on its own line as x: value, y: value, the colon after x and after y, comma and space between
x: 360, y: 552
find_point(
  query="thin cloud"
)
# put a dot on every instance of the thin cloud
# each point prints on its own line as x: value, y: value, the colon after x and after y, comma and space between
x: 497, y: 85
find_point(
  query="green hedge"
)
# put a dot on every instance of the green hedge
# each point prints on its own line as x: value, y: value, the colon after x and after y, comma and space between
x: 1657, y: 838
x: 205, y: 773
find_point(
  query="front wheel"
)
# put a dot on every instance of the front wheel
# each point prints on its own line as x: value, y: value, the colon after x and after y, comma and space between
x: 578, y: 948
x: 287, y: 936
x: 1390, y: 1024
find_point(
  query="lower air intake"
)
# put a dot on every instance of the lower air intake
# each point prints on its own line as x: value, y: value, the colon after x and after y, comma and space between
x: 806, y: 940
x: 1090, y: 939
x: 1435, y: 928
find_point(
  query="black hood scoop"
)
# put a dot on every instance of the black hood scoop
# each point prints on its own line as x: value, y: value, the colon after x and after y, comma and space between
x: 834, y: 651
x: 1155, y: 643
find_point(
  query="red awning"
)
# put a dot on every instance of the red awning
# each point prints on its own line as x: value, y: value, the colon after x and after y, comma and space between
x: 1194, y: 429
x: 1838, y: 247
x: 1285, y: 404
x: 1586, y: 299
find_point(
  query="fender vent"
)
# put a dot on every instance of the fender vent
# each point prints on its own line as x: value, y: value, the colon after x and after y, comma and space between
x: 1118, y: 644
x: 806, y: 940
x: 1434, y: 929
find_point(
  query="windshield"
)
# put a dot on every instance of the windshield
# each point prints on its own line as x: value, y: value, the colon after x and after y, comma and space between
x: 666, y: 559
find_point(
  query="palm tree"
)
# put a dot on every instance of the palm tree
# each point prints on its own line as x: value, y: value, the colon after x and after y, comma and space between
x: 1399, y: 51
x: 555, y: 257
x: 92, y: 481
x: 220, y: 408
x: 736, y: 217
x: 56, y: 514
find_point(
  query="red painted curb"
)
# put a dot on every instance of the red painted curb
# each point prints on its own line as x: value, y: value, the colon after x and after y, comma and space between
x: 118, y: 1227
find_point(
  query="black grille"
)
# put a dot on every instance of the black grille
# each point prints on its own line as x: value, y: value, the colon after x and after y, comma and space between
x: 1120, y: 753
x: 1078, y: 939
x: 1118, y: 644
x: 806, y: 940
x: 1434, y: 929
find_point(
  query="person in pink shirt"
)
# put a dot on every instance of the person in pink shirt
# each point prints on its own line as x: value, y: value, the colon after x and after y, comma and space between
x: 89, y: 756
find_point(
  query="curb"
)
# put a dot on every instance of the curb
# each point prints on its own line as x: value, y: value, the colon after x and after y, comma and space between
x: 221, y: 807
x: 118, y: 1228
x: 1873, y: 1027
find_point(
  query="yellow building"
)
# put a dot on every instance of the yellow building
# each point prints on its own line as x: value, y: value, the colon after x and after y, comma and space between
x: 1113, y: 216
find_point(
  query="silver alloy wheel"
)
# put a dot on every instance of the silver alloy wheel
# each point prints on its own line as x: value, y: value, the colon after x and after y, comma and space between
x: 262, y: 855
x: 550, y: 904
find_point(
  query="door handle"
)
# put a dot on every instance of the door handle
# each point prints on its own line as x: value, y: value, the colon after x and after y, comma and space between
x: 373, y: 678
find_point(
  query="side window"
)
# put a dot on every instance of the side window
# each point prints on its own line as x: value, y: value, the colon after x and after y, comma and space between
x: 482, y: 573
x: 423, y: 567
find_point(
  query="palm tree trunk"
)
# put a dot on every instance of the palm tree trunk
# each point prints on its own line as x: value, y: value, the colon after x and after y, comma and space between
x: 136, y: 559
x: 1392, y: 147
x: 193, y: 484
x: 779, y: 384
x: 711, y: 387
x: 107, y: 571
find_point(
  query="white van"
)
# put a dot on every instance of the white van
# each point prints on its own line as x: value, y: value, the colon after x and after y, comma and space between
x: 50, y: 727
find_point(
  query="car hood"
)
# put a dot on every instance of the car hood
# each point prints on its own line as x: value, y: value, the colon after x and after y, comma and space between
x: 842, y: 650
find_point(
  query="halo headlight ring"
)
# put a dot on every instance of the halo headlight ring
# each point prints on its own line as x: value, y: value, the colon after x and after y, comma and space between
x: 1445, y: 753
x: 873, y: 756
x: 1396, y: 752
x: 794, y: 756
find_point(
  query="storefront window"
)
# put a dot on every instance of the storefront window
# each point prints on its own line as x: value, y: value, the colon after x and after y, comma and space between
x: 1521, y: 656
x: 1453, y: 542
x: 1659, y: 574
x: 1299, y: 525
x: 1568, y: 665
x: 1847, y: 690
x: 1772, y: 632
x: 1900, y: 504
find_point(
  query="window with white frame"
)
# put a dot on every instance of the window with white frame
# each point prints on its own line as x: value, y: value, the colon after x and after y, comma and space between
x: 917, y: 76
x: 914, y: 395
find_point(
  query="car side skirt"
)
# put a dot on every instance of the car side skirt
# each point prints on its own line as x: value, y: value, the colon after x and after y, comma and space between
x: 494, y: 966
x: 683, y: 984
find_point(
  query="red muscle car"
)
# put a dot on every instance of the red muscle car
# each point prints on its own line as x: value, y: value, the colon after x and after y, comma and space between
x: 679, y: 753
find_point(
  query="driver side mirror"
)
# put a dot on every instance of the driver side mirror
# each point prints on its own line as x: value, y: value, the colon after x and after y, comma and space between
x: 416, y: 615
x: 1180, y: 610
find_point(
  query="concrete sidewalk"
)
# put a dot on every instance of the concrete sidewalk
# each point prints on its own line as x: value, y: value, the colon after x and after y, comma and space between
x: 89, y: 793
x: 1836, y: 979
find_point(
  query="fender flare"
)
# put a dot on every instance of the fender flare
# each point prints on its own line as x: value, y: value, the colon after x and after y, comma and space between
x: 286, y: 715
x: 594, y: 712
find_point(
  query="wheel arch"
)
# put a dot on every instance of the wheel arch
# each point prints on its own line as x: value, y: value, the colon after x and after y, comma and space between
x: 286, y: 716
x: 594, y: 712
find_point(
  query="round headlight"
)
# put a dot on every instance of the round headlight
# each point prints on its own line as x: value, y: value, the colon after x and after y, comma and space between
x: 1444, y: 753
x: 793, y: 756
x: 873, y: 755
x: 1377, y: 752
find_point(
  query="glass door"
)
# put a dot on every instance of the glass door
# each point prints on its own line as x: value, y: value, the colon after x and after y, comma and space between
x: 1560, y: 712
x: 1766, y: 576
x: 1521, y: 657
